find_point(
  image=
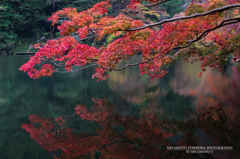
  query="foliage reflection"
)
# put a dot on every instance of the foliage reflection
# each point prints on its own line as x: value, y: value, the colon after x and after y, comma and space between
x: 215, y: 122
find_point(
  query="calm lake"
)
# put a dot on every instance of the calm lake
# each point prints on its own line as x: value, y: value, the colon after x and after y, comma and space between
x: 214, y: 98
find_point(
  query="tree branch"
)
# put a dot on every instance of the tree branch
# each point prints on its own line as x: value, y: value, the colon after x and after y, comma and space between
x: 222, y: 24
x: 186, y: 17
x: 154, y: 4
x: 78, y: 69
x: 90, y: 37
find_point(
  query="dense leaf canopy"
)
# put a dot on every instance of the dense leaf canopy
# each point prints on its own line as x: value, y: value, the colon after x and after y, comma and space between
x: 215, y: 21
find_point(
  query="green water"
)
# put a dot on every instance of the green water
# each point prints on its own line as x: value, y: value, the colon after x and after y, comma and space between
x: 169, y: 97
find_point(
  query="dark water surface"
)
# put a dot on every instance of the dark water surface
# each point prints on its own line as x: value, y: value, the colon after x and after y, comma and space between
x: 214, y: 99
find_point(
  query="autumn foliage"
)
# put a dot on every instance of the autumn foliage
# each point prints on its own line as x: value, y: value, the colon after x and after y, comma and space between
x: 215, y: 24
x: 213, y: 21
x: 218, y: 109
x: 117, y: 137
x: 133, y: 137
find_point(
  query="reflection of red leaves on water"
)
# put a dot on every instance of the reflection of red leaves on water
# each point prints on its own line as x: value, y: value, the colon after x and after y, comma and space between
x: 138, y: 138
x: 220, y: 95
x: 219, y: 110
x: 147, y: 137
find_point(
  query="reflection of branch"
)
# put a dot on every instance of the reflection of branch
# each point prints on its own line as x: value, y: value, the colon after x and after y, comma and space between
x: 126, y: 141
x: 224, y: 115
x: 78, y: 117
x: 222, y: 24
x: 154, y: 4
x: 186, y: 17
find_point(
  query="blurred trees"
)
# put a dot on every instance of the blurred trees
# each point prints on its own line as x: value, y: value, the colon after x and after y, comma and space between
x: 29, y: 18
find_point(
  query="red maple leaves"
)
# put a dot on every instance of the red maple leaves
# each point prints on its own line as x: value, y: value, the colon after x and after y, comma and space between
x: 135, y: 135
x: 175, y: 41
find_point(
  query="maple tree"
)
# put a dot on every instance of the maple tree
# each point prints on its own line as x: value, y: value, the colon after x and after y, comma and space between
x: 214, y: 20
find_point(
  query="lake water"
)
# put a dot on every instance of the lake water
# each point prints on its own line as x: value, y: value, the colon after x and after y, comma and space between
x: 214, y: 98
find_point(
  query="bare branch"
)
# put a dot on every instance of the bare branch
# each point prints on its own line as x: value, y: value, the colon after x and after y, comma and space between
x: 186, y: 17
x: 129, y: 65
x: 90, y: 37
x: 126, y: 141
x: 79, y: 69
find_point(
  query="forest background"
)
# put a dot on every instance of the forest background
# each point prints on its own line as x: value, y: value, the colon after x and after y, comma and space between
x: 24, y: 22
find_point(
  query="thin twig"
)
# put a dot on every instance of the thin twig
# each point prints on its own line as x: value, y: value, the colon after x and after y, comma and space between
x: 78, y: 69
x: 154, y: 4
